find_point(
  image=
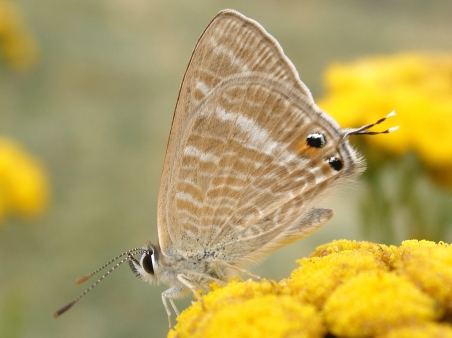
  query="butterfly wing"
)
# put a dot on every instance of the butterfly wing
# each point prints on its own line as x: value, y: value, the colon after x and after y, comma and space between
x: 239, y: 177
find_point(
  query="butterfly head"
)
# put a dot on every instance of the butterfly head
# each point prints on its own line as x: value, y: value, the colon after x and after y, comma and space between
x: 147, y: 265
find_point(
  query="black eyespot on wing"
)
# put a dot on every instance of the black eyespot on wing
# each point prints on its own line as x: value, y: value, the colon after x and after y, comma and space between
x: 335, y: 163
x: 146, y: 262
x: 316, y: 140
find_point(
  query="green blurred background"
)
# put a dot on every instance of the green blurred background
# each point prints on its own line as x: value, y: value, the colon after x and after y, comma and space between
x: 97, y: 108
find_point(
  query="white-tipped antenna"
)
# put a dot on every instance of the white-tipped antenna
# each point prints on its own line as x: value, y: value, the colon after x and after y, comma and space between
x: 81, y: 279
x: 364, y: 129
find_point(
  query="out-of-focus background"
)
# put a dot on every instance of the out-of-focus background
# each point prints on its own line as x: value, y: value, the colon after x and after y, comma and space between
x: 87, y: 92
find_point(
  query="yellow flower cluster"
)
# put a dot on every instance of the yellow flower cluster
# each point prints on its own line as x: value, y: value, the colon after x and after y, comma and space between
x: 19, y: 48
x: 24, y: 188
x: 249, y: 309
x: 417, y: 86
x: 344, y: 289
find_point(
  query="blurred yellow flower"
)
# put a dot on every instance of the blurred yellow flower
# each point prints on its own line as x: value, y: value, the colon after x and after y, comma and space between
x: 17, y: 44
x: 24, y: 187
x: 417, y: 86
x: 345, y: 288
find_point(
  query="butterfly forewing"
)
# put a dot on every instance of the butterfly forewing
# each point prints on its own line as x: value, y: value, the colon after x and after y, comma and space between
x: 238, y: 172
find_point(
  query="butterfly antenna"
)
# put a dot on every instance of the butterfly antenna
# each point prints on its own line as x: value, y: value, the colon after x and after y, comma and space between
x: 79, y: 280
x: 364, y: 129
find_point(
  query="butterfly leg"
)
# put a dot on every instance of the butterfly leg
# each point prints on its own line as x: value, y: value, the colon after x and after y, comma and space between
x: 185, y: 281
x: 176, y: 311
x: 241, y: 270
x: 169, y: 294
x: 165, y: 304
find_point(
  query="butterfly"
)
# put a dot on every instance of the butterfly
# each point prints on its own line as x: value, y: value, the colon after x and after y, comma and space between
x: 248, y: 156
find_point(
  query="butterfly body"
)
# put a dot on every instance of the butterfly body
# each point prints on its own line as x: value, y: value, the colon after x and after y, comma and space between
x: 249, y: 153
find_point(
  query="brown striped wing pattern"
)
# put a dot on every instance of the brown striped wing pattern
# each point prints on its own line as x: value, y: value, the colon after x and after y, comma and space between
x: 239, y: 178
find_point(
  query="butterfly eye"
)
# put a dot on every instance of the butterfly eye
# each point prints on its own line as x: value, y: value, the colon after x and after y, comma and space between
x: 335, y: 163
x: 316, y: 140
x: 146, y: 262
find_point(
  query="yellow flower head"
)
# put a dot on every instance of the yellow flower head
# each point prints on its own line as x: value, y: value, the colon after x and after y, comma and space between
x: 247, y: 310
x: 380, y: 252
x: 345, y: 289
x: 374, y: 302
x: 429, y: 266
x: 318, y: 277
